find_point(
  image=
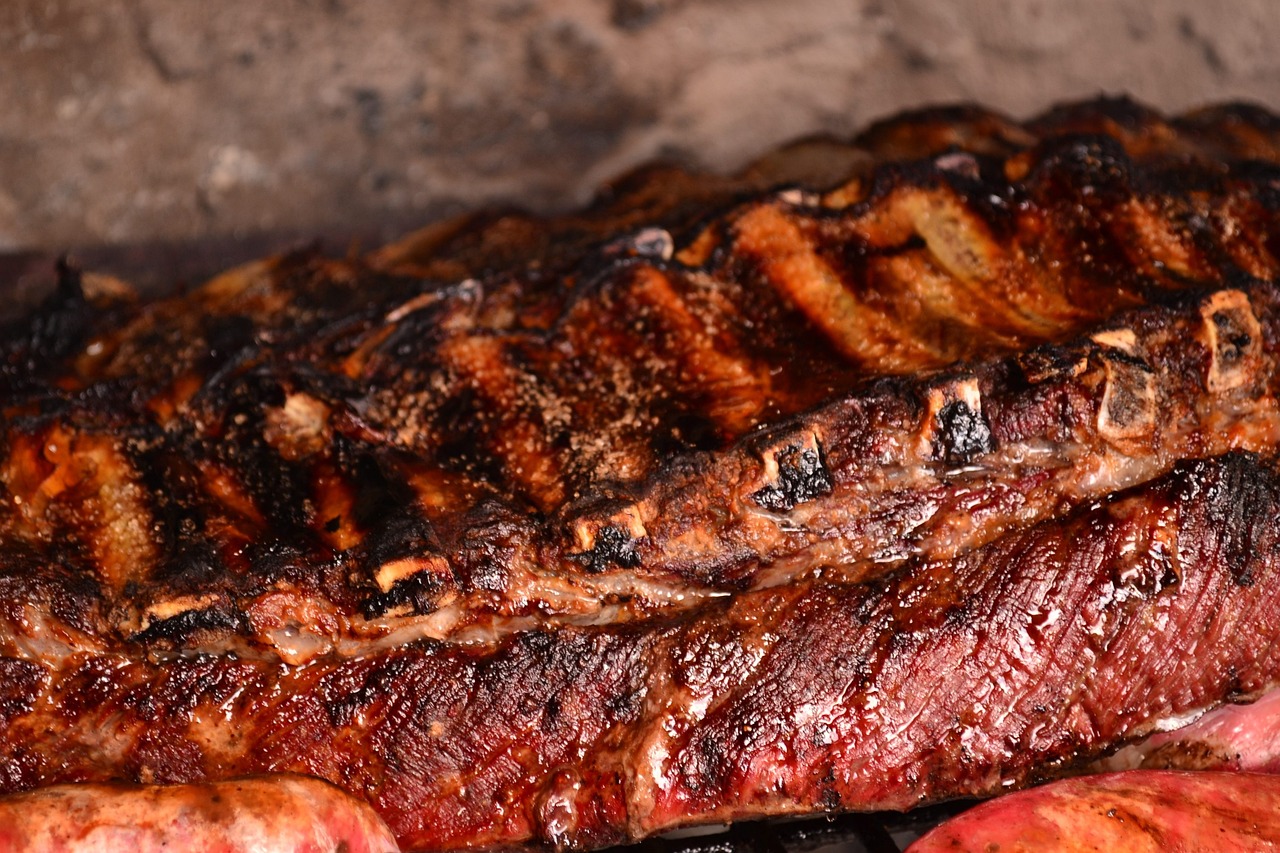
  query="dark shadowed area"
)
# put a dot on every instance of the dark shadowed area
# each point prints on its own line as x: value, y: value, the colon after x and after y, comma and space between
x: 135, y: 121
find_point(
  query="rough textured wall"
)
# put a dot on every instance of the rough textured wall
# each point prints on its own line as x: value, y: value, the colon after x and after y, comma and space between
x: 129, y: 120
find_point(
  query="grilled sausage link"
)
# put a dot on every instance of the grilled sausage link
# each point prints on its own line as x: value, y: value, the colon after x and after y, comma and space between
x: 1138, y: 811
x: 257, y: 815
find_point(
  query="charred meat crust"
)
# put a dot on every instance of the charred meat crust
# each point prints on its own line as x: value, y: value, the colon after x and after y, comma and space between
x: 547, y: 530
x: 951, y: 678
x: 824, y: 377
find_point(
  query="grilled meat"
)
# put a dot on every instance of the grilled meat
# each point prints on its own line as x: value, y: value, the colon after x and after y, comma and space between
x: 275, y: 815
x: 547, y: 530
x: 1233, y: 737
x: 1142, y: 810
x: 960, y: 677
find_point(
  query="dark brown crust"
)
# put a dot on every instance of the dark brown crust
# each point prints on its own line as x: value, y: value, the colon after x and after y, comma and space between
x: 957, y: 678
x: 511, y: 418
x: 826, y: 377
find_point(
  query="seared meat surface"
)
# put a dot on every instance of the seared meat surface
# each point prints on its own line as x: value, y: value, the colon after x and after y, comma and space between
x: 961, y: 677
x: 880, y: 473
x: 1165, y: 811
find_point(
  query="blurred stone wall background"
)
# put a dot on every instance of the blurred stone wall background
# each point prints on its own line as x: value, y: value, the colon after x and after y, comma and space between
x: 180, y: 120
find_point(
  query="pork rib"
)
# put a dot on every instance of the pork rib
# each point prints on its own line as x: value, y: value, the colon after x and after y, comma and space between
x: 493, y: 526
x: 960, y: 677
x: 309, y: 453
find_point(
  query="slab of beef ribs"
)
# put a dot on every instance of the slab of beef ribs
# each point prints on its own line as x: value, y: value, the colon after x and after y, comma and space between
x: 921, y: 467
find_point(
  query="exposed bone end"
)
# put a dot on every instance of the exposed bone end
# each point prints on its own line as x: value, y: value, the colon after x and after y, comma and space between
x: 955, y: 429
x: 1128, y: 408
x: 417, y: 303
x: 849, y: 193
x: 654, y: 243
x: 960, y: 163
x: 169, y: 608
x: 1234, y: 339
x: 394, y: 571
x: 794, y: 471
x: 1048, y: 364
x: 1125, y: 340
x: 299, y: 428
x: 609, y: 541
x: 797, y: 197
x: 627, y: 520
x: 956, y: 237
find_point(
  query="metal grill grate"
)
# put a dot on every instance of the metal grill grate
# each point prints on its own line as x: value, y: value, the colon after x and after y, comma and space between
x: 885, y: 832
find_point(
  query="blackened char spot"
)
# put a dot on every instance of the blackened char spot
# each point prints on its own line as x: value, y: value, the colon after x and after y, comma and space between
x: 403, y: 534
x: 613, y: 547
x: 381, y: 495
x: 343, y: 702
x: 419, y: 591
x: 625, y: 704
x: 227, y: 336
x: 1233, y: 340
x: 962, y: 434
x: 706, y: 764
x: 830, y: 798
x: 20, y: 683
x: 277, y: 559
x: 177, y: 630
x: 802, y: 476
x: 1243, y: 505
x: 191, y: 565
x: 189, y: 562
x: 396, y: 530
x: 53, y: 330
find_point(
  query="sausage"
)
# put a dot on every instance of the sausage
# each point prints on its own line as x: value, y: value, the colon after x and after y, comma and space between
x: 260, y: 814
x: 1140, y: 810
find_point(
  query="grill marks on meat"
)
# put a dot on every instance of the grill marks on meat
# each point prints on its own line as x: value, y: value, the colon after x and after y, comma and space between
x: 475, y: 427
x: 956, y: 678
x: 560, y: 530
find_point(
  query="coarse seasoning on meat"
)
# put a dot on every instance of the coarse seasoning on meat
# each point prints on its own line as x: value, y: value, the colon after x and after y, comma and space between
x: 925, y: 466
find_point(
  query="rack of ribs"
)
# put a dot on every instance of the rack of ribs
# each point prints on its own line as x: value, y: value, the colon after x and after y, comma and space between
x: 924, y: 466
